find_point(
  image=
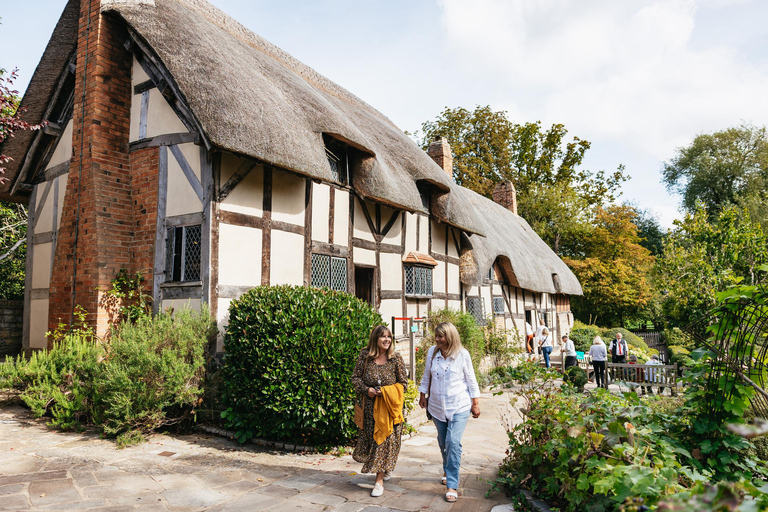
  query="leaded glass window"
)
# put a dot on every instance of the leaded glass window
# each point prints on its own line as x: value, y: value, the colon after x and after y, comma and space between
x: 418, y: 281
x: 498, y: 305
x: 183, y: 249
x: 476, y: 308
x: 329, y: 272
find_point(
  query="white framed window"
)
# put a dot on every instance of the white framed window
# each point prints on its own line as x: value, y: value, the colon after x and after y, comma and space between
x: 418, y: 281
x: 476, y: 308
x: 329, y: 272
x: 182, y: 253
x: 498, y: 305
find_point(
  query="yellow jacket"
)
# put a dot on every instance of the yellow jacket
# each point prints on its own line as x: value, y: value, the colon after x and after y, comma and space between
x: 387, y: 411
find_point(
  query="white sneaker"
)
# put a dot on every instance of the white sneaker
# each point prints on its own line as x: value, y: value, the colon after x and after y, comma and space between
x: 387, y: 475
x: 378, y: 490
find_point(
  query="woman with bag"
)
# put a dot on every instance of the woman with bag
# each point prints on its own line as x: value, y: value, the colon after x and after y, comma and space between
x: 545, y: 343
x: 380, y: 381
x: 449, y: 382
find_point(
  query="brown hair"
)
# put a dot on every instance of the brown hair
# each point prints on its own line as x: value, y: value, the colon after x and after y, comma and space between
x: 451, y: 335
x: 373, y: 342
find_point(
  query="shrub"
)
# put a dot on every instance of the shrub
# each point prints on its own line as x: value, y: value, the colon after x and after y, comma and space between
x: 290, y: 352
x: 523, y: 372
x: 674, y: 350
x: 576, y: 377
x: 633, y: 340
x: 472, y: 336
x: 582, y: 335
x: 148, y: 376
x: 678, y: 338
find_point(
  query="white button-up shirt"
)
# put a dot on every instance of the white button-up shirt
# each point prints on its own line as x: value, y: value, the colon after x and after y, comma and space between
x: 453, y: 384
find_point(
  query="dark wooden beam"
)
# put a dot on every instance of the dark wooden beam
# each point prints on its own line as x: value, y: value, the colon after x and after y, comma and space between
x: 168, y: 139
x: 240, y: 174
x: 240, y: 219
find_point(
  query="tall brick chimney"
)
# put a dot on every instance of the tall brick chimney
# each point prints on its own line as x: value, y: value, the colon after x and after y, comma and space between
x: 504, y: 193
x: 97, y: 225
x: 440, y: 151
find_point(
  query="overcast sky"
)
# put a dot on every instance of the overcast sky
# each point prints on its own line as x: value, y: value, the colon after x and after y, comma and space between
x: 635, y: 78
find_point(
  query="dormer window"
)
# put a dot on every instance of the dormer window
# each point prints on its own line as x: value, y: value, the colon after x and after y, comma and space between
x: 338, y: 154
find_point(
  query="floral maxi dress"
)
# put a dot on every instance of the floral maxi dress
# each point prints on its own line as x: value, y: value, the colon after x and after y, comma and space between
x: 367, y: 374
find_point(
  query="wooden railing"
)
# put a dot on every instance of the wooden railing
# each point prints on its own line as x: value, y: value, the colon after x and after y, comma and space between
x: 664, y: 375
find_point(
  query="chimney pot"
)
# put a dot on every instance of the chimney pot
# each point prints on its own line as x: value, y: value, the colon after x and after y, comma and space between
x: 440, y: 152
x: 504, y: 193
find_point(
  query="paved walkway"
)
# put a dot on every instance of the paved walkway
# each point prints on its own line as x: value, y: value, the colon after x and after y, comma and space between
x: 44, y: 469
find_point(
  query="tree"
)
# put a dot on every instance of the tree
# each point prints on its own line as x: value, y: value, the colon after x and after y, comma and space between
x: 613, y: 273
x: 554, y: 194
x: 702, y: 257
x: 649, y: 230
x: 728, y: 167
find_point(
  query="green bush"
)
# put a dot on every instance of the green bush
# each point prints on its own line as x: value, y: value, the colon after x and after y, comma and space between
x: 290, y: 352
x: 146, y: 377
x: 676, y: 337
x: 522, y: 373
x: 633, y: 340
x: 576, y: 377
x: 472, y: 337
x: 582, y: 335
x: 675, y: 349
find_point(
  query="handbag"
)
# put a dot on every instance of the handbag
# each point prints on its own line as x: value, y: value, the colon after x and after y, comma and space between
x: 360, y: 413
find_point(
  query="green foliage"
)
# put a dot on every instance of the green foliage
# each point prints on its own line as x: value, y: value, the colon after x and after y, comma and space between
x: 411, y: 396
x: 703, y: 257
x: 13, y: 249
x: 721, y: 169
x: 633, y: 340
x: 675, y: 337
x: 583, y: 335
x: 675, y: 350
x: 148, y: 376
x: 742, y: 496
x: 522, y: 373
x: 126, y: 300
x: 576, y: 377
x: 501, y: 344
x: 290, y: 352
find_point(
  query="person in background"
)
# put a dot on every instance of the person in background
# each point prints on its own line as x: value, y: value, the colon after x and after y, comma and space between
x: 539, y: 329
x: 449, y: 381
x: 379, y: 376
x: 570, y: 352
x: 599, y: 354
x: 654, y: 376
x: 619, y: 349
x: 639, y: 372
x: 528, y: 338
x: 545, y: 342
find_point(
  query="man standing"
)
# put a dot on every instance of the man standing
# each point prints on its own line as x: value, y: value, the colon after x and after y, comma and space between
x: 619, y: 350
x: 570, y: 352
x: 528, y: 338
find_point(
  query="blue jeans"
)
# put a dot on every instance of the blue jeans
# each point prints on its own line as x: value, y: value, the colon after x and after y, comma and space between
x: 449, y: 438
x: 546, y: 351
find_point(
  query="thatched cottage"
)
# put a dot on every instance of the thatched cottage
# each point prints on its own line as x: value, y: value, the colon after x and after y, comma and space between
x: 184, y: 146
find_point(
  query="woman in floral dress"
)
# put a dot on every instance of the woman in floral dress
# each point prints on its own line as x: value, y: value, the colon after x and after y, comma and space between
x: 378, y: 365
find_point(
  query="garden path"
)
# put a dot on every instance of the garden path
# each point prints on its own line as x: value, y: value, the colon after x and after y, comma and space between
x: 44, y: 469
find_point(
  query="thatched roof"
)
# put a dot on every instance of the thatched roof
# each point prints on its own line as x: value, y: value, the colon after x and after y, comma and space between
x: 41, y: 88
x: 252, y: 98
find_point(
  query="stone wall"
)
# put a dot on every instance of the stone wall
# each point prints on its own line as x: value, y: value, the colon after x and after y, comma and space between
x: 11, y: 327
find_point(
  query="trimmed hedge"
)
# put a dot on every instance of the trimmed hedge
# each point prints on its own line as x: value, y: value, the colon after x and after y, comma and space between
x: 290, y: 352
x: 633, y: 340
x: 582, y: 335
x: 677, y: 338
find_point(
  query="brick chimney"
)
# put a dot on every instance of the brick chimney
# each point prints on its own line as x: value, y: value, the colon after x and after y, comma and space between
x: 97, y: 225
x: 440, y: 151
x: 505, y: 194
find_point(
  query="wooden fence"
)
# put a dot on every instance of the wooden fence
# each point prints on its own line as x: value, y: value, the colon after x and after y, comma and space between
x: 653, y: 340
x: 663, y: 375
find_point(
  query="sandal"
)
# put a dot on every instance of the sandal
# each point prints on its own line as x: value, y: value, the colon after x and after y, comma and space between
x: 451, y: 496
x: 443, y: 480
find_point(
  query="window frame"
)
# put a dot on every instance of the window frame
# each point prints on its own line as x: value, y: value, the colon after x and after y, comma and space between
x: 428, y: 287
x: 171, y: 267
x: 331, y: 260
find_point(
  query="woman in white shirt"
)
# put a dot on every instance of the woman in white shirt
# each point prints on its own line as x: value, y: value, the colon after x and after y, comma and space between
x: 450, y: 382
x: 545, y: 342
x: 570, y: 352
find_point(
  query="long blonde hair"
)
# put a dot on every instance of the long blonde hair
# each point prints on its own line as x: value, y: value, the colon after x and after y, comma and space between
x: 373, y: 342
x: 451, y: 335
x: 598, y: 341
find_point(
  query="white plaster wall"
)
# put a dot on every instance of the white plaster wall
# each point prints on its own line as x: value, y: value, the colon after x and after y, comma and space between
x: 38, y: 323
x: 182, y: 198
x: 137, y: 73
x: 410, y: 232
x: 321, y: 212
x: 45, y: 219
x: 240, y: 255
x: 472, y: 291
x: 412, y: 308
x: 395, y: 235
x: 391, y: 271
x: 41, y: 265
x: 438, y: 278
x: 288, y: 194
x: 424, y: 235
x: 390, y: 308
x: 161, y: 118
x: 341, y: 218
x: 62, y: 192
x: 438, y: 237
x: 363, y: 256
x: 455, y: 305
x: 63, y: 151
x: 438, y: 304
x: 485, y: 293
x: 287, y: 262
x: 361, y: 229
x: 248, y: 196
x: 454, y: 284
x: 178, y: 304
x: 452, y: 243
x: 133, y: 126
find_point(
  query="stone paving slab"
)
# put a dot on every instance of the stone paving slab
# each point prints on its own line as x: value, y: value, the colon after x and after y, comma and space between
x: 44, y: 469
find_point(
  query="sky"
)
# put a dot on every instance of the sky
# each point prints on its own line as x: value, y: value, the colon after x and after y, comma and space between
x: 638, y: 79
